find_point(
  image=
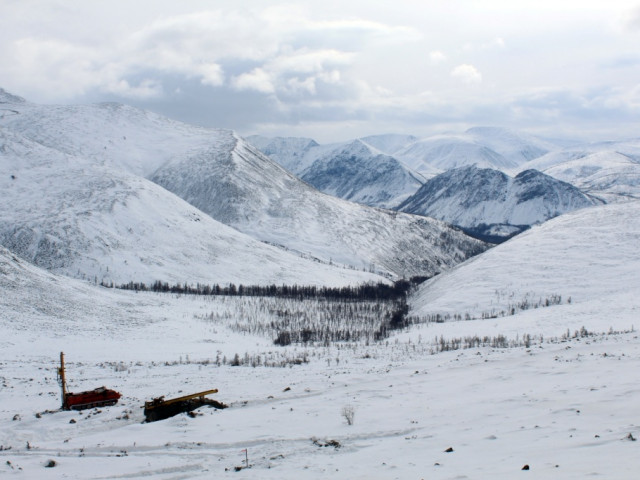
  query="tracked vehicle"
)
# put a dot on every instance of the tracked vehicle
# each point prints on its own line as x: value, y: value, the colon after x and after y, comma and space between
x: 99, y: 397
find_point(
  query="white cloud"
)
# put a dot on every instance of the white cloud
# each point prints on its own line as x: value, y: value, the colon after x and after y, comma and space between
x: 467, y: 74
x: 437, y: 57
x: 309, y: 61
x: 283, y: 48
x: 312, y: 60
x: 297, y: 86
x: 257, y: 80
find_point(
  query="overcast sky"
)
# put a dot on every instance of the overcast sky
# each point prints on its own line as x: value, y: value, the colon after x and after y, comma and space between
x: 335, y: 70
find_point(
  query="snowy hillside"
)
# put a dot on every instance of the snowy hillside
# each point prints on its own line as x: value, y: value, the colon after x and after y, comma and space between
x: 292, y: 153
x: 490, y: 203
x: 355, y: 171
x: 222, y: 176
x: 485, y: 147
x: 74, y: 217
x: 358, y: 172
x: 268, y: 203
x: 584, y: 264
x: 517, y: 147
x: 610, y: 170
x: 564, y: 407
x: 389, y: 143
x: 379, y: 170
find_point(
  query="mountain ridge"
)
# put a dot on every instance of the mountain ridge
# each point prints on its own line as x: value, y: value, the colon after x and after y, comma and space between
x: 489, y: 202
x: 230, y: 181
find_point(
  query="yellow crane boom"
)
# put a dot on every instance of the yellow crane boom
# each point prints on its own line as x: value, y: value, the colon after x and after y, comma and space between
x: 160, y: 401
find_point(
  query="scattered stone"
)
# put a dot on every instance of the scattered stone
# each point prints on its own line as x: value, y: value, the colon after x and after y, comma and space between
x: 73, y: 420
x: 50, y: 464
x: 526, y: 467
x: 286, y: 389
x: 16, y: 417
x: 449, y: 450
x: 631, y: 437
x: 328, y: 443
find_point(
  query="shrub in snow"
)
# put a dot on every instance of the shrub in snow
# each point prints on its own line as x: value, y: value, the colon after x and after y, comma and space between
x: 349, y: 413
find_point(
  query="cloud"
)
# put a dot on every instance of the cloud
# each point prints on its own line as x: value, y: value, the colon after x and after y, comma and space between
x: 467, y: 74
x: 632, y: 20
x: 257, y: 80
x: 437, y: 57
x: 144, y: 90
x: 273, y: 51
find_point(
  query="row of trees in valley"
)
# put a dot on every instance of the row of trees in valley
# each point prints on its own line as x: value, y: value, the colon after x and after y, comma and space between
x: 367, y: 291
x: 295, y: 314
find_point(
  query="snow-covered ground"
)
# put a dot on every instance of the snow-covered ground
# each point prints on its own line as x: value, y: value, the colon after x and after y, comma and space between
x: 565, y: 405
x: 565, y: 409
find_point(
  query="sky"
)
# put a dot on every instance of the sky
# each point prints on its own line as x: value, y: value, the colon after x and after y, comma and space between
x: 336, y: 70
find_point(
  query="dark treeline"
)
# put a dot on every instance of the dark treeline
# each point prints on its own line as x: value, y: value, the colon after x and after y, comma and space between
x: 370, y: 291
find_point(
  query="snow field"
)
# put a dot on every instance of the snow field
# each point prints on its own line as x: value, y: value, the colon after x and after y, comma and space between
x: 565, y: 402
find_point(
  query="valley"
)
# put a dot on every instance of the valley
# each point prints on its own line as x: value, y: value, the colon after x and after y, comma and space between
x: 348, y: 340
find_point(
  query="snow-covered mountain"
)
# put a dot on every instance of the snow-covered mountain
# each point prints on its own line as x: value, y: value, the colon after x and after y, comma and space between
x: 355, y: 170
x: 564, y: 406
x: 359, y: 173
x: 265, y: 201
x: 389, y: 143
x: 214, y: 171
x: 379, y: 170
x: 489, y: 203
x: 516, y: 147
x: 485, y: 147
x: 609, y: 170
x: 584, y: 262
x: 293, y: 153
x: 73, y: 217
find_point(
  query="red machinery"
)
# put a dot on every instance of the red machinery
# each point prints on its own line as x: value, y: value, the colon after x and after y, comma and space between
x: 100, y: 397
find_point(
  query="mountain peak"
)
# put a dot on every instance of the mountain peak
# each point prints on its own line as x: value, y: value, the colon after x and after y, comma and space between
x: 477, y: 199
x: 6, y: 97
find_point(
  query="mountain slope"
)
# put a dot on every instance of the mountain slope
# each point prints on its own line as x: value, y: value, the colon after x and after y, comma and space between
x: 588, y: 257
x: 224, y: 177
x: 355, y: 170
x: 74, y: 217
x: 388, y: 143
x: 488, y: 202
x: 358, y: 173
x: 610, y: 170
x: 447, y: 152
x: 486, y: 147
x: 270, y: 204
x: 293, y: 153
x: 517, y: 147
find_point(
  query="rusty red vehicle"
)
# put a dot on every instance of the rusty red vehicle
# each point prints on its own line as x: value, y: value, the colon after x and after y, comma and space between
x: 99, y: 397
